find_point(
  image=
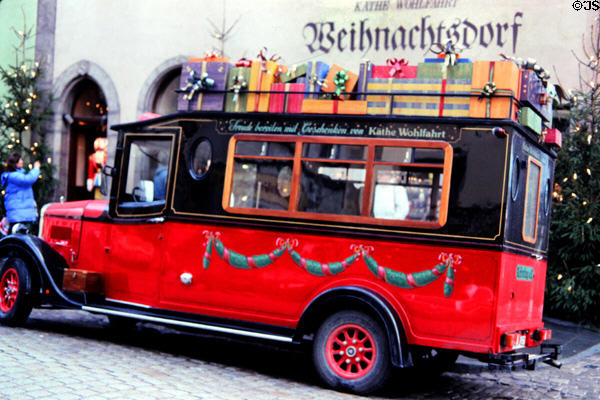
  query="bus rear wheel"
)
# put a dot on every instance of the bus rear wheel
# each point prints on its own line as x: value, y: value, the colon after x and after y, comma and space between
x: 350, y: 353
x: 15, y: 302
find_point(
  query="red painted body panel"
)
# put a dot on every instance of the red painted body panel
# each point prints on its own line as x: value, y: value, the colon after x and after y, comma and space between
x: 137, y: 268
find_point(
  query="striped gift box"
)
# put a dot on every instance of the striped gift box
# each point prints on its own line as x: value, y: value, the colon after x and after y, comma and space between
x: 407, y: 104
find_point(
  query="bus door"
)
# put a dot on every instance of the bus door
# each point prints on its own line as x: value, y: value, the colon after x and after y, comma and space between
x: 137, y: 239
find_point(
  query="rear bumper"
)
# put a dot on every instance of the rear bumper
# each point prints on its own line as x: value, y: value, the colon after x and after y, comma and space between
x: 511, y: 361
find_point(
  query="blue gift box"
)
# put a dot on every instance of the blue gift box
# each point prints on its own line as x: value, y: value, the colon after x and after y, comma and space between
x: 316, y: 71
x: 441, y: 60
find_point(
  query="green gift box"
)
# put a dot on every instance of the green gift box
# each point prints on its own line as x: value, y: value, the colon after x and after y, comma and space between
x: 436, y: 70
x: 293, y: 73
x: 530, y: 119
x: 237, y: 83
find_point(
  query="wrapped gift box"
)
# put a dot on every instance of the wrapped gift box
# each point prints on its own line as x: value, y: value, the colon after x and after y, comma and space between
x: 262, y: 76
x: 553, y: 137
x: 314, y: 78
x: 210, y: 57
x: 443, y: 59
x: 311, y: 106
x: 293, y: 104
x: 492, y: 78
x: 532, y: 92
x: 407, y: 101
x: 237, y: 82
x: 329, y: 86
x: 462, y: 70
x: 291, y: 74
x: 529, y: 118
x: 202, y: 99
x: 547, y: 103
x: 369, y: 71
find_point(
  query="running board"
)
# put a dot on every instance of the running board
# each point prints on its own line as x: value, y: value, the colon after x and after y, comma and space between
x: 188, y: 324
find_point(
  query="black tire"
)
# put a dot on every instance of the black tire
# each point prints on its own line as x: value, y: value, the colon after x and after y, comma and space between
x: 15, y: 292
x: 344, y: 371
x: 434, y: 361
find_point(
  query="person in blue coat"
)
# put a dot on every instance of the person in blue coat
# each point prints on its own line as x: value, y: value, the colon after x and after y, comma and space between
x: 19, y: 202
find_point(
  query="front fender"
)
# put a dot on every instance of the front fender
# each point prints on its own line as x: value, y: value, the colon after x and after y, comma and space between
x: 44, y: 263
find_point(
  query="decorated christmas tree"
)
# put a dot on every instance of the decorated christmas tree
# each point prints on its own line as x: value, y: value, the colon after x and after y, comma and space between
x: 24, y: 109
x: 573, y: 286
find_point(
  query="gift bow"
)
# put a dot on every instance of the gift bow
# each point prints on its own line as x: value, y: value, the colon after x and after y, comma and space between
x: 313, y: 80
x: 262, y: 56
x: 197, y: 82
x: 239, y: 83
x: 541, y: 73
x: 211, y: 55
x: 243, y: 62
x: 489, y: 89
x: 397, y: 66
x: 449, y: 52
x: 341, y: 77
x: 529, y: 64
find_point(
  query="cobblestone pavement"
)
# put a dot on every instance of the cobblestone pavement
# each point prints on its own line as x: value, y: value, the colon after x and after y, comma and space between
x: 75, y: 355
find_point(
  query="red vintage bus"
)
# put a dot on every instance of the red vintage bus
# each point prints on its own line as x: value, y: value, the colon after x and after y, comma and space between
x: 385, y: 241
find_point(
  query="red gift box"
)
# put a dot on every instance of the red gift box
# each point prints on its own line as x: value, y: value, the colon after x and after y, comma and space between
x: 553, y: 137
x: 394, y: 69
x: 294, y: 100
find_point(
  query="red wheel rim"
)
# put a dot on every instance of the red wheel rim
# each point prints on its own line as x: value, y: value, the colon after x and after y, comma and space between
x: 351, y: 351
x: 9, y: 289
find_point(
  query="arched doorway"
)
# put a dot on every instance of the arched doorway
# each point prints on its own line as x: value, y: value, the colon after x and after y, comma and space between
x: 165, y: 98
x: 87, y: 121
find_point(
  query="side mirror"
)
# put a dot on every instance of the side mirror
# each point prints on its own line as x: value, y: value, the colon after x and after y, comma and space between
x: 108, y: 171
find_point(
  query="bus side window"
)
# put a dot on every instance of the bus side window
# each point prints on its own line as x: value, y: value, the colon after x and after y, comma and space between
x: 354, y: 180
x: 532, y: 200
x: 262, y: 175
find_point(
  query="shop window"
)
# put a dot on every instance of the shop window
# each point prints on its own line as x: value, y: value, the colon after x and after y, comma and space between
x: 369, y: 181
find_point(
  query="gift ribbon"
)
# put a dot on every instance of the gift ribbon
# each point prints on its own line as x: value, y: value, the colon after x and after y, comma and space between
x: 449, y: 52
x: 211, y: 56
x: 489, y: 89
x: 366, y: 73
x: 198, y: 82
x: 239, y: 83
x: 262, y: 56
x: 443, y: 91
x: 529, y: 64
x: 243, y: 62
x: 341, y: 77
x: 532, y: 65
x: 397, y: 66
x: 313, y: 81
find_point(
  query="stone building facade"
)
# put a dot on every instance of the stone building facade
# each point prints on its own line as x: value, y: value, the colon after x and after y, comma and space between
x: 109, y: 61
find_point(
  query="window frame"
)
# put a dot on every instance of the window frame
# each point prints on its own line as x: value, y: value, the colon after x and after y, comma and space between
x: 533, y: 239
x: 369, y: 163
x: 128, y: 139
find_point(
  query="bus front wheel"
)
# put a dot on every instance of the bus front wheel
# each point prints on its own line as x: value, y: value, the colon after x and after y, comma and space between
x: 15, y: 302
x: 350, y: 352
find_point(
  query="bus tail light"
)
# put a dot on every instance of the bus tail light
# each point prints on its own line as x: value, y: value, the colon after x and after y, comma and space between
x: 542, y: 334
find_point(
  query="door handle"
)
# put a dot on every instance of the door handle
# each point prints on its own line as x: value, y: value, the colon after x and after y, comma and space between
x: 157, y: 220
